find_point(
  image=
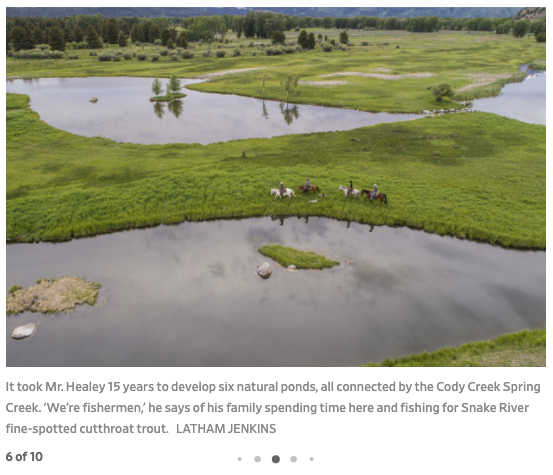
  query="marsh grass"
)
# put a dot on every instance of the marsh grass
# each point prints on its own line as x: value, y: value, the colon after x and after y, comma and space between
x: 287, y: 256
x: 488, y: 90
x: 537, y: 65
x: 61, y: 185
x: 524, y: 348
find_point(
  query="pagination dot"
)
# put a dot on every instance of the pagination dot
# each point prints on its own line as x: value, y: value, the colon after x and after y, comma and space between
x: 257, y: 458
x: 293, y: 458
x: 276, y: 459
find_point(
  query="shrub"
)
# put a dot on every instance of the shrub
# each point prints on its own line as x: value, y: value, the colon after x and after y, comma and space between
x: 93, y: 53
x: 289, y: 49
x: 174, y: 57
x: 327, y: 48
x: 127, y: 56
x: 253, y: 54
x: 157, y: 42
x: 221, y: 53
x: 116, y: 57
x: 164, y: 52
x: 441, y: 90
x: 206, y: 54
x: 186, y: 54
x: 56, y: 54
x: 298, y: 48
x: 154, y: 57
x: 270, y: 51
x: 250, y: 44
x: 173, y: 53
x: 137, y: 43
x: 350, y: 43
x: 236, y: 52
x: 364, y: 43
x: 104, y: 57
x: 73, y: 56
x: 43, y: 47
x: 179, y: 49
x: 332, y: 42
x: 141, y: 56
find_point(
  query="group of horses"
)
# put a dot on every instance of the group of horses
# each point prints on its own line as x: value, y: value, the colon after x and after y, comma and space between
x: 317, y: 190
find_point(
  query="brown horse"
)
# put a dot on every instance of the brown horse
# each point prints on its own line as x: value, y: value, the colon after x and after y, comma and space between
x: 314, y: 188
x: 377, y: 196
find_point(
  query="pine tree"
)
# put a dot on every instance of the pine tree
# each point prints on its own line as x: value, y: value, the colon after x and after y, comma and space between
x: 8, y: 40
x: 157, y: 87
x: 344, y: 37
x: 303, y: 39
x: 145, y: 27
x: 278, y: 37
x: 121, y: 39
x: 182, y: 40
x: 37, y: 36
x: 311, y: 41
x: 170, y: 44
x: 29, y: 43
x: 78, y: 34
x: 165, y: 36
x: 92, y: 38
x: 174, y: 85
x: 154, y: 32
x: 67, y: 34
x: 56, y: 39
x: 136, y: 33
x: 112, y: 31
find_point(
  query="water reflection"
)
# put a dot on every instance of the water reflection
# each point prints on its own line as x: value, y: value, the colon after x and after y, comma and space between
x: 289, y: 113
x: 159, y: 109
x: 265, y: 114
x: 175, y: 107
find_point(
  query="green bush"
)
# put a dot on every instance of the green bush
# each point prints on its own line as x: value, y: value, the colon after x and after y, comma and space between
x: 186, y: 54
x: 141, y: 56
x: 73, y: 56
x: 236, y: 52
x: 154, y: 57
x: 327, y: 48
x: 164, y: 52
x: 127, y: 55
x: 174, y: 57
x: 104, y: 57
x: 221, y: 53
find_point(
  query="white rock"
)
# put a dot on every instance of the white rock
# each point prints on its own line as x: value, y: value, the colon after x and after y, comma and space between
x: 93, y: 99
x: 24, y: 331
x: 313, y: 201
x: 264, y: 270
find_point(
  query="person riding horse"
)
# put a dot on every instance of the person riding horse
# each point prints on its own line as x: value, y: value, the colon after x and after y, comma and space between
x: 307, y: 186
x: 350, y: 189
x: 282, y: 189
x: 374, y: 192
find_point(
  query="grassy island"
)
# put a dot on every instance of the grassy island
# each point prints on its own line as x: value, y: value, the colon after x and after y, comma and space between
x: 167, y: 97
x: 287, y: 256
x: 524, y: 348
x: 52, y: 295
x: 537, y: 65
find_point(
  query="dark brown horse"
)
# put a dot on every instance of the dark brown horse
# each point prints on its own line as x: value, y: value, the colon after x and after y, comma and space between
x: 314, y: 188
x: 377, y: 196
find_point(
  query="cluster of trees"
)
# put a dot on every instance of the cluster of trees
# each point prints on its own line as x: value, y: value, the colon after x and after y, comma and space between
x: 25, y: 33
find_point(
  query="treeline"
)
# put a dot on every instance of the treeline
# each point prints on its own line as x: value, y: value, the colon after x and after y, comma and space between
x: 92, y: 31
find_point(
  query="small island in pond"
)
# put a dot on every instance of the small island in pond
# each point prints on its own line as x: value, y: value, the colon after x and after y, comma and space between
x: 167, y: 97
x: 52, y: 295
x: 288, y: 256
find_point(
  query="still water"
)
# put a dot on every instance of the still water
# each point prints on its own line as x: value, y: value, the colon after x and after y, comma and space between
x: 523, y: 101
x: 123, y: 112
x: 188, y: 295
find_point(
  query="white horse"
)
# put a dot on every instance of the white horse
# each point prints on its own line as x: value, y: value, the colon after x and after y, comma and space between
x: 355, y: 193
x: 287, y: 192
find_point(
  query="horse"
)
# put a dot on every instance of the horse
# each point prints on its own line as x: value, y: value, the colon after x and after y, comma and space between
x: 287, y: 192
x: 355, y: 193
x: 314, y: 188
x: 378, y: 196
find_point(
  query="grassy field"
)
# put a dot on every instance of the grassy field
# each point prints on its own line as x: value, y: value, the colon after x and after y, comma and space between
x: 524, y: 348
x: 477, y: 175
x: 287, y: 256
x: 459, y: 58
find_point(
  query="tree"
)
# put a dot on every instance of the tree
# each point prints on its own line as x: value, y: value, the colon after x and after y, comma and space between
x: 67, y: 34
x: 520, y: 28
x: 112, y: 31
x: 56, y: 39
x: 170, y: 44
x: 136, y: 33
x: 92, y: 37
x: 154, y: 32
x: 539, y: 31
x: 320, y: 37
x: 37, y: 36
x: 344, y: 37
x: 278, y: 37
x: 165, y: 36
x: 239, y: 27
x: 78, y: 34
x: 8, y: 40
x: 157, y: 87
x: 174, y: 85
x: 29, y: 43
x: 311, y: 41
x: 289, y: 84
x: 182, y: 40
x: 441, y: 90
x: 303, y: 39
x: 121, y: 39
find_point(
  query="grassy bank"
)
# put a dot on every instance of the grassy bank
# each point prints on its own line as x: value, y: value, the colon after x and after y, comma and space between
x: 393, y: 83
x: 486, y: 183
x: 288, y: 256
x: 524, y: 348
x: 167, y: 97
x: 537, y: 65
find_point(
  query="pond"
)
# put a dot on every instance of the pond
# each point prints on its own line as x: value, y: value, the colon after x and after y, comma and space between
x: 188, y: 295
x: 123, y: 112
x: 523, y: 101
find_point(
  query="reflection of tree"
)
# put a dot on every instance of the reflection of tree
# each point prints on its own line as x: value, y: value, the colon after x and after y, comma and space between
x: 159, y: 109
x: 289, y: 114
x: 265, y: 113
x: 175, y: 107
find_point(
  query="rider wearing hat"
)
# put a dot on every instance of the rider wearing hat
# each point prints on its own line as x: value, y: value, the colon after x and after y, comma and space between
x: 281, y: 189
x: 350, y: 189
x: 374, y: 192
x: 307, y: 185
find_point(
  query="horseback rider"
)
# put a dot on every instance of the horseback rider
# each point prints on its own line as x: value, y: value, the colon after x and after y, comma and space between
x: 281, y: 189
x: 307, y: 186
x: 374, y: 192
x: 350, y: 189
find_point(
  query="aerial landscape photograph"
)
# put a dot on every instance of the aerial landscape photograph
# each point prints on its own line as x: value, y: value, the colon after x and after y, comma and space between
x: 275, y: 187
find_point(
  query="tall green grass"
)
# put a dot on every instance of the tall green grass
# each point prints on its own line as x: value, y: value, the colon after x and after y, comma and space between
x: 487, y: 184
x: 524, y: 348
x: 288, y: 256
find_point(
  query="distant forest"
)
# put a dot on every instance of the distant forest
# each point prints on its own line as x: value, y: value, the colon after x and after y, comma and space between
x: 183, y: 12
